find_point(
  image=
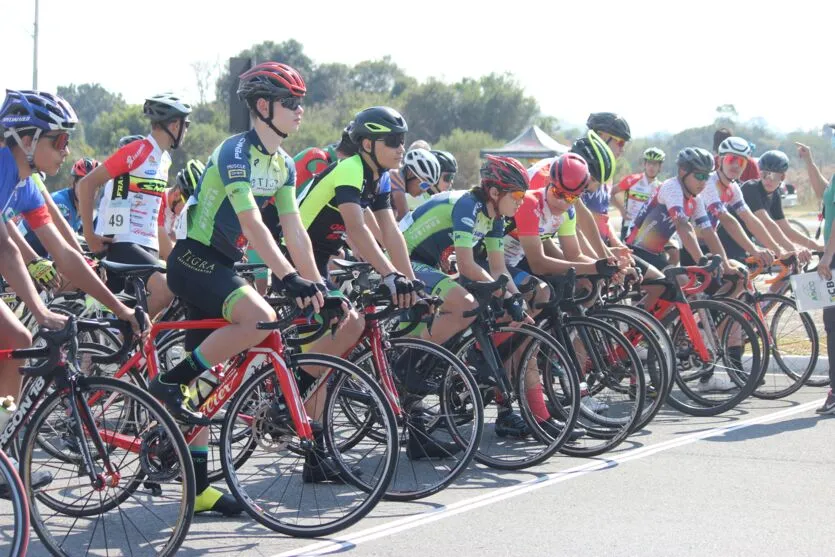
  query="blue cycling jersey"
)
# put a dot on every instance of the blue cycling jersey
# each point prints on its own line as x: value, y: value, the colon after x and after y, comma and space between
x: 17, y: 196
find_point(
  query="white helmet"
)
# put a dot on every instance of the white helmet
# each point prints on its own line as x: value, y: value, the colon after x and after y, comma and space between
x: 735, y: 146
x: 424, y: 164
x: 164, y: 107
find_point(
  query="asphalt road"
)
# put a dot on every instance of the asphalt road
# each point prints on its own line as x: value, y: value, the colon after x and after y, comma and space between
x: 755, y: 481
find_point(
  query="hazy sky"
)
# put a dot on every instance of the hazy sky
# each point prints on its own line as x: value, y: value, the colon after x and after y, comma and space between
x: 665, y: 66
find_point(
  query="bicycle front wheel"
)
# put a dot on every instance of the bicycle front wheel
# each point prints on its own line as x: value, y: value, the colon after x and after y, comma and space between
x: 139, y: 497
x: 14, y: 537
x: 315, y: 490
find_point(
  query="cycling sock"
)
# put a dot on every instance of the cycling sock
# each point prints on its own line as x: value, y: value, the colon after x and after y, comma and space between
x: 536, y: 402
x: 186, y: 371
x: 200, y: 457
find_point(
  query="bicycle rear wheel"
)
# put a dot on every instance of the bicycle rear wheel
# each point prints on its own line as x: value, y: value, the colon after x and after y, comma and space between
x: 14, y: 537
x: 716, y: 385
x: 443, y: 417
x: 280, y: 483
x: 116, y: 514
x: 795, y: 348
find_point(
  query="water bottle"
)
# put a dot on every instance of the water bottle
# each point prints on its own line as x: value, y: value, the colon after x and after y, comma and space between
x: 206, y: 383
x: 7, y: 409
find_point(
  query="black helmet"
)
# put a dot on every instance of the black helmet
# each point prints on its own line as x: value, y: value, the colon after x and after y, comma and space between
x: 377, y: 122
x: 773, y: 161
x: 447, y: 160
x: 129, y: 139
x: 695, y: 159
x: 598, y: 156
x: 609, y: 122
x: 189, y: 177
x: 165, y: 107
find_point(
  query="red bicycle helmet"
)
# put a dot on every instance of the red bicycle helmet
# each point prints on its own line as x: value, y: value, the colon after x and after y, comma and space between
x: 83, y: 167
x: 271, y: 80
x: 504, y: 173
x: 570, y: 174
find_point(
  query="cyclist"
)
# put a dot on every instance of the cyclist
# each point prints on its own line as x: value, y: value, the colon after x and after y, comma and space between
x: 449, y: 168
x: 173, y: 203
x: 751, y: 172
x: 614, y: 131
x: 349, y: 195
x: 314, y: 160
x: 723, y: 200
x: 763, y: 198
x: 66, y: 205
x: 420, y: 173
x: 130, y: 221
x: 635, y: 190
x: 37, y: 132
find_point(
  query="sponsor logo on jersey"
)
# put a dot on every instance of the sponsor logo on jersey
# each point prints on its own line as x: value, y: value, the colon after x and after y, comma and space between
x: 468, y: 221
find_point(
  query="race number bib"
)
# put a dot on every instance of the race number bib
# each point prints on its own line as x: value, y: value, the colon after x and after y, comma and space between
x: 117, y: 219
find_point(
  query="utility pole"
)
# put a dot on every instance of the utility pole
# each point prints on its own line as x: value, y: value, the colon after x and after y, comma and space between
x: 35, y: 50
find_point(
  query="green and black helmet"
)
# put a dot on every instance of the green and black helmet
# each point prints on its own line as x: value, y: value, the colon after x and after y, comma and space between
x: 377, y: 122
x: 654, y: 154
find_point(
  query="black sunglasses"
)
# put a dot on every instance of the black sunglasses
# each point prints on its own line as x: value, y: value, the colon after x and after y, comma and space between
x: 394, y: 140
x: 291, y: 103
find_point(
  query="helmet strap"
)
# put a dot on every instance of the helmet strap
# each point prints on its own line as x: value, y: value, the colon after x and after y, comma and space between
x: 269, y: 118
x: 175, y: 140
x: 30, y: 152
x: 373, y: 155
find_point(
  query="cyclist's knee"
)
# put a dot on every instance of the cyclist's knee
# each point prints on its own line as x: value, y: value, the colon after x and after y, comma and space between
x: 542, y: 293
x: 353, y: 326
x: 460, y: 302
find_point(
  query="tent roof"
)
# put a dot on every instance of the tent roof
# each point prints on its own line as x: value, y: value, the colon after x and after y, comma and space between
x: 530, y: 144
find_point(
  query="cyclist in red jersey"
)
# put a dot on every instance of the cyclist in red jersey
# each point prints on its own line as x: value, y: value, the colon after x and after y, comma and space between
x: 130, y: 220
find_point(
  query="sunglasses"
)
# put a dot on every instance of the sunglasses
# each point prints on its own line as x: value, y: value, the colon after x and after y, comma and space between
x: 617, y: 141
x: 291, y: 103
x: 394, y: 140
x: 186, y: 124
x: 735, y: 159
x: 59, y: 141
x: 448, y: 176
x: 773, y: 176
x: 701, y: 176
x: 567, y: 197
x: 517, y: 195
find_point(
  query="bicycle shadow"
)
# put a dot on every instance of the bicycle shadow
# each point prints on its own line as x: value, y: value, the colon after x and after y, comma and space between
x: 760, y: 431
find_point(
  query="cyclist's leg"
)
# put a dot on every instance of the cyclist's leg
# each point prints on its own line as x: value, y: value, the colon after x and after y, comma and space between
x: 650, y: 265
x: 456, y: 299
x: 12, y: 335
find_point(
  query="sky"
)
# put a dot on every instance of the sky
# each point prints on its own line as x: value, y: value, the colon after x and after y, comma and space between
x: 665, y: 66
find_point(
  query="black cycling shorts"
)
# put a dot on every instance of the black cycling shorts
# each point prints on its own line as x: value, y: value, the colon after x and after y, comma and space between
x: 205, y: 281
x: 131, y: 254
x: 645, y: 259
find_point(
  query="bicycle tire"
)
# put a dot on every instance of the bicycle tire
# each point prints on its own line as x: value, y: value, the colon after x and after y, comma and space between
x: 272, y: 439
x: 179, y: 476
x: 453, y: 410
x: 18, y: 508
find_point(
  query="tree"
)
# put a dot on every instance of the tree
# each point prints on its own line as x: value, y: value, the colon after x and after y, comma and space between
x: 495, y: 104
x: 327, y: 82
x: 90, y: 99
x: 377, y: 76
x: 467, y: 146
x: 203, y: 72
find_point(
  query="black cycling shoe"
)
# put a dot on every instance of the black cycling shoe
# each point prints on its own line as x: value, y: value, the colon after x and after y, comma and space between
x: 421, y: 445
x: 650, y: 392
x: 554, y: 428
x: 215, y: 501
x: 175, y: 397
x: 479, y: 368
x: 511, y: 424
x: 415, y: 375
x: 320, y: 468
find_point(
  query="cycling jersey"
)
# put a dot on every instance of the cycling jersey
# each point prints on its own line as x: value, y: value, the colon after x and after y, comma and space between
x: 719, y: 199
x: 20, y: 196
x: 448, y: 220
x: 65, y: 201
x: 307, y: 163
x: 350, y: 180
x: 240, y: 176
x: 598, y: 203
x: 639, y: 190
x: 534, y: 218
x: 756, y: 198
x: 655, y: 224
x: 140, y: 176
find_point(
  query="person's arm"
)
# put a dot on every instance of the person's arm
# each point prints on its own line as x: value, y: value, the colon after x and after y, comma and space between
x: 569, y: 250
x: 72, y: 265
x: 495, y: 261
x: 619, y: 201
x: 24, y: 249
x: 758, y: 228
x: 165, y: 243
x: 394, y: 242
x: 363, y: 240
x: 87, y: 188
x: 262, y: 242
x: 736, y: 232
x: 588, y: 226
x: 541, y: 264
x: 14, y: 272
x: 715, y: 245
x: 373, y: 226
x: 817, y: 180
x: 61, y: 223
x: 688, y: 238
x: 398, y: 200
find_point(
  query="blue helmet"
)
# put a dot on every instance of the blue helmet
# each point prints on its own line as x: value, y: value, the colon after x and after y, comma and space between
x: 36, y: 109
